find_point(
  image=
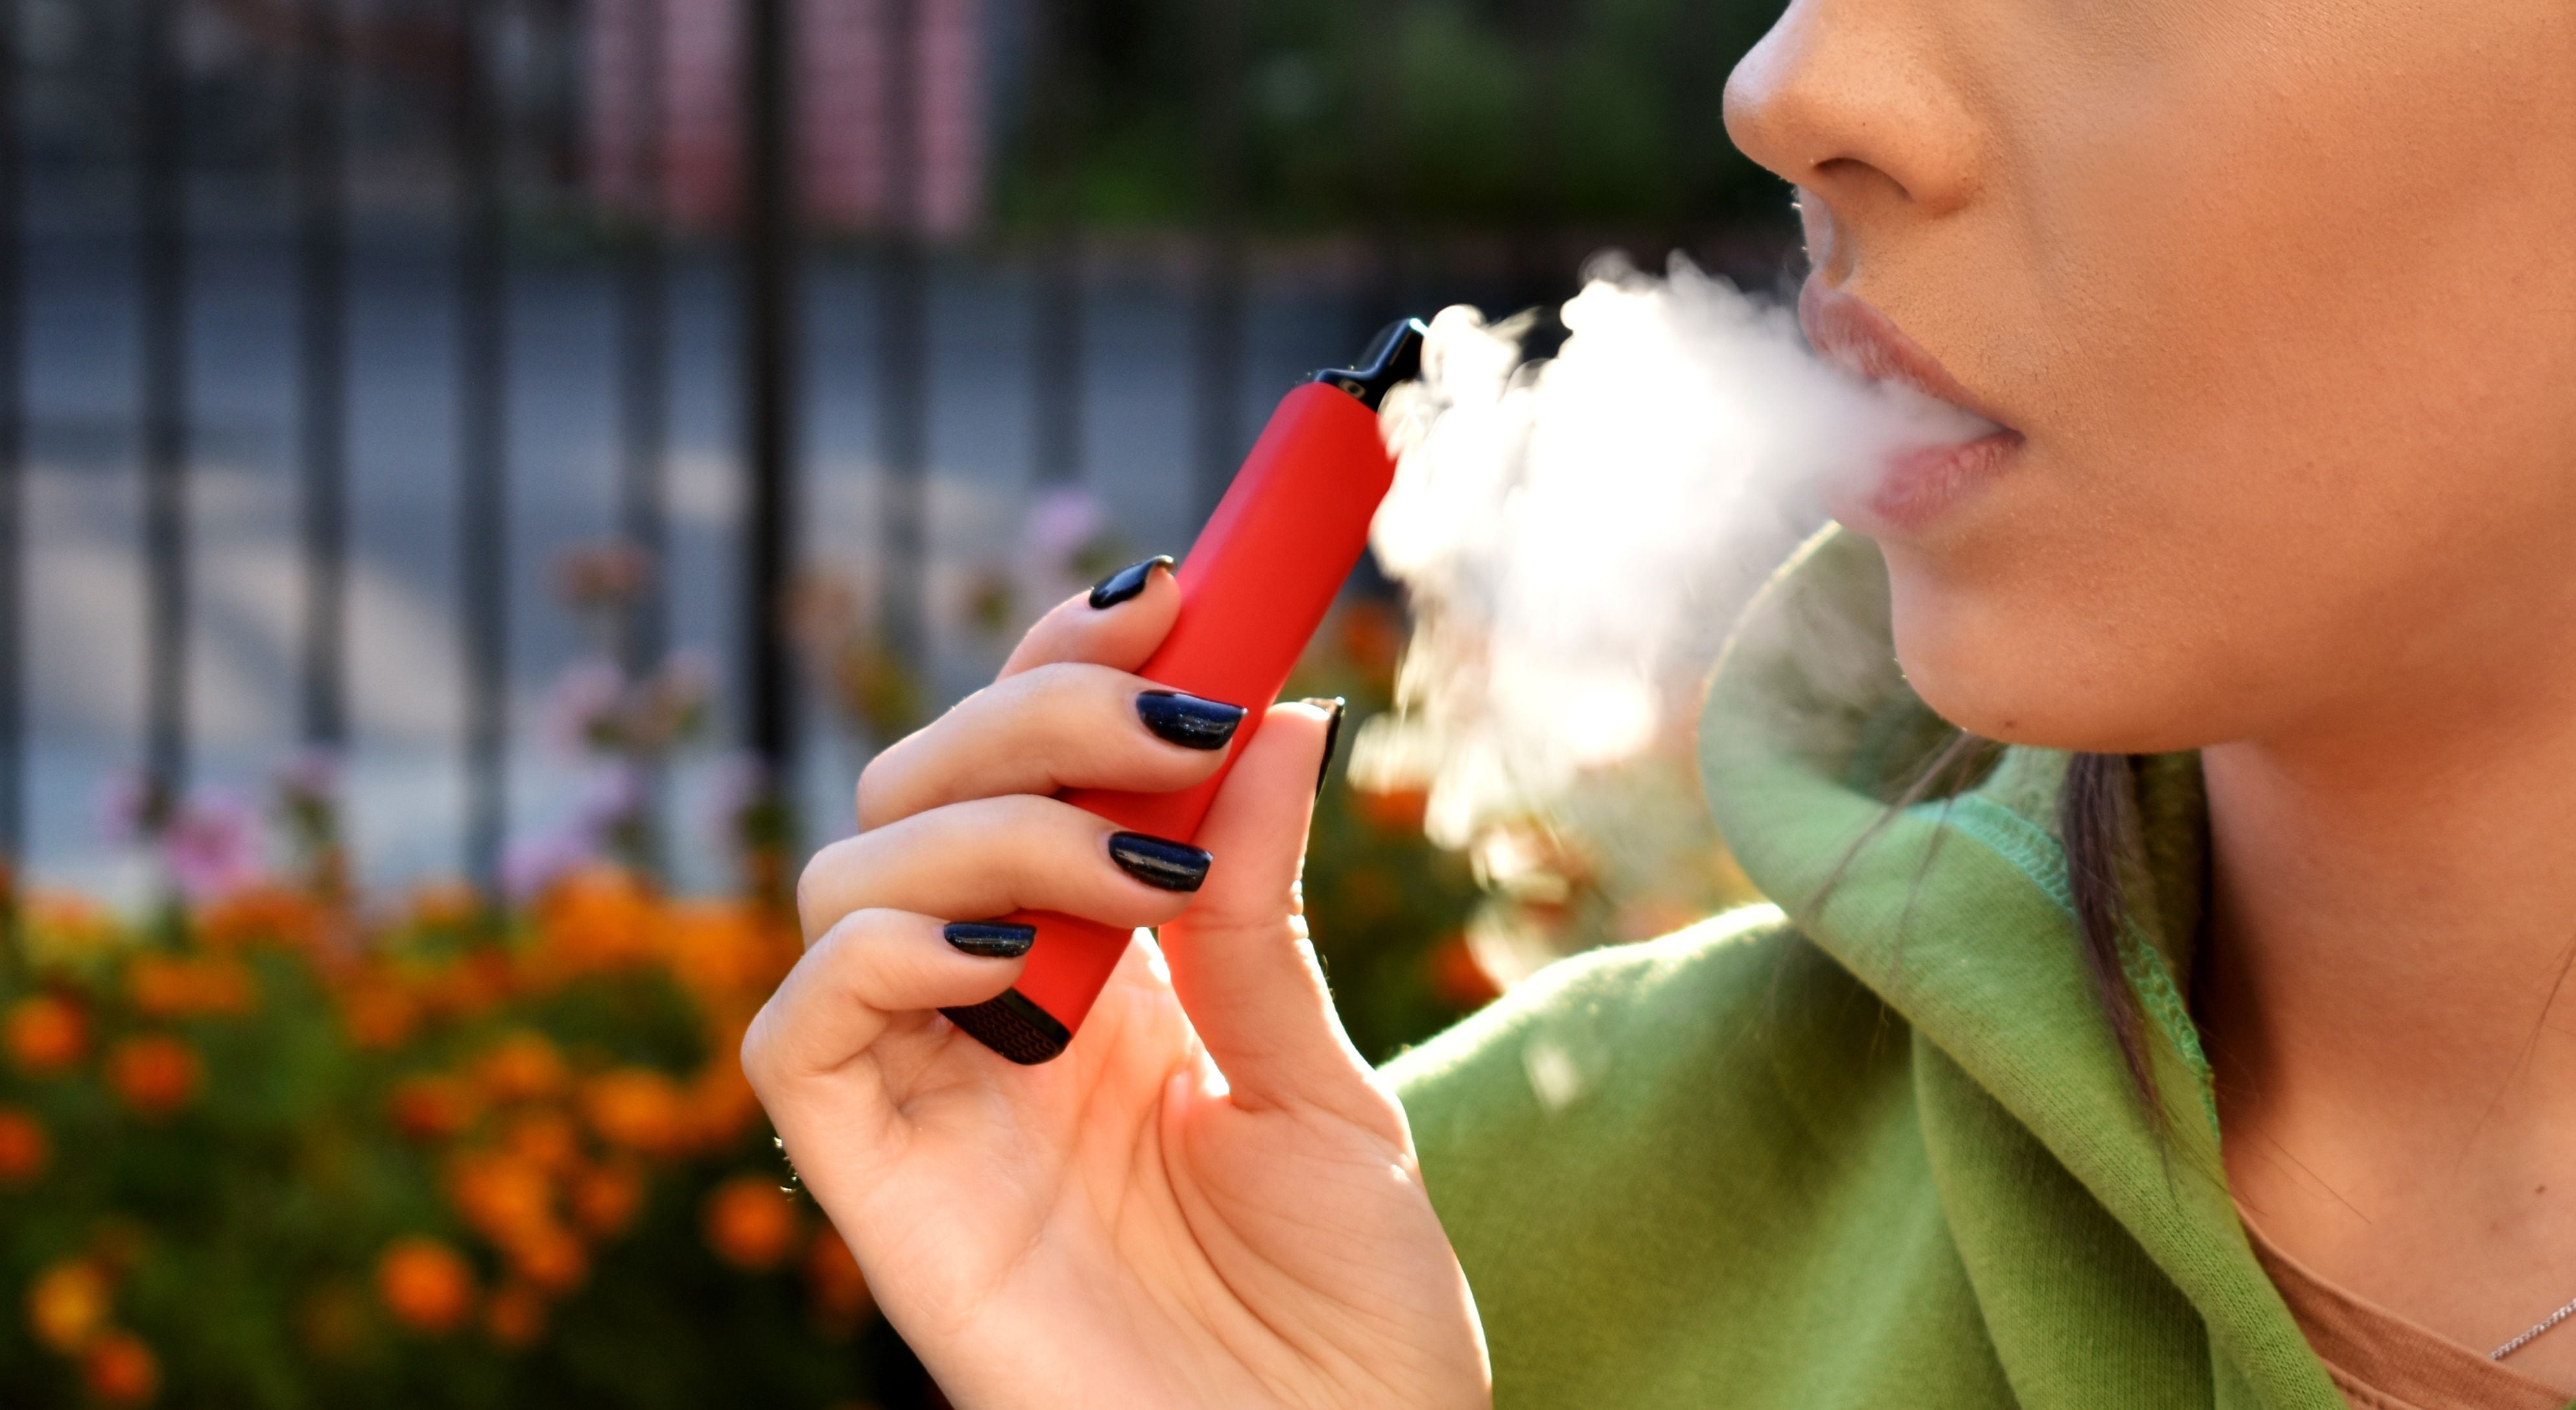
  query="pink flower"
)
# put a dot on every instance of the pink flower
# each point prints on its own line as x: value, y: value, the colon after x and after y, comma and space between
x: 686, y: 676
x: 124, y: 809
x: 613, y: 800
x: 584, y: 704
x: 311, y: 779
x: 531, y: 864
x: 741, y: 784
x: 671, y: 706
x: 1061, y: 524
x: 212, y: 846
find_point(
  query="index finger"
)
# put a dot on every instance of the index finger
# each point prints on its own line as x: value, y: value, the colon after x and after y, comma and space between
x: 1118, y: 623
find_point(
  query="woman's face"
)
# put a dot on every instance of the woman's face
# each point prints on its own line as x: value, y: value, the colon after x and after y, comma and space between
x: 2280, y: 296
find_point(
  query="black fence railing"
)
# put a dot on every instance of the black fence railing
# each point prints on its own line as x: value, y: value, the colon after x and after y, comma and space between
x: 773, y: 278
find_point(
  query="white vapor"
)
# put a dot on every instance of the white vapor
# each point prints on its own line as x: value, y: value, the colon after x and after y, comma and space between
x: 1576, y: 535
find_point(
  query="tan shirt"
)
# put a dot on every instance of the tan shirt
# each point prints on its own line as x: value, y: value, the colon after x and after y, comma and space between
x: 2382, y: 1361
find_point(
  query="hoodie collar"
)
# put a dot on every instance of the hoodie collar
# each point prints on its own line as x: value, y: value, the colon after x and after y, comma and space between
x: 1957, y: 912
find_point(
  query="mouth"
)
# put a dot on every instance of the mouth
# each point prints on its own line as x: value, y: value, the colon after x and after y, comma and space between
x: 1916, y: 484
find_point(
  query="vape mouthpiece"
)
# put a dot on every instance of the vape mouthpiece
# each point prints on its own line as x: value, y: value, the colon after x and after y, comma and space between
x: 1395, y: 356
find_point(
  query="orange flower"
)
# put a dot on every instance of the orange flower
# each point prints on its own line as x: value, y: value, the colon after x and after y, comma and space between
x: 120, y: 1369
x: 596, y: 919
x: 516, y: 1316
x: 46, y: 1034
x: 156, y: 1074
x: 67, y: 1305
x: 547, y: 1140
x: 169, y: 986
x: 720, y: 949
x: 425, y: 1284
x: 25, y: 1150
x: 266, y: 913
x: 378, y: 1013
x: 548, y: 1257
x: 1373, y: 636
x: 750, y: 1223
x: 605, y: 1199
x: 721, y: 1103
x: 638, y: 1108
x: 1393, y: 809
x: 839, y: 1289
x: 521, y: 1067
x: 431, y: 1107
x: 446, y: 905
x: 1458, y: 978
x: 500, y: 1195
x: 469, y: 986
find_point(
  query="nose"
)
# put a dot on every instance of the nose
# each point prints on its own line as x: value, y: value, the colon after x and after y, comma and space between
x: 1846, y: 100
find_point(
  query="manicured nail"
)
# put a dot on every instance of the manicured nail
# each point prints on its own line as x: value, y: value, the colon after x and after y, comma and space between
x: 1188, y: 721
x: 1127, y: 582
x: 991, y: 940
x: 1159, y: 862
x: 1332, y: 736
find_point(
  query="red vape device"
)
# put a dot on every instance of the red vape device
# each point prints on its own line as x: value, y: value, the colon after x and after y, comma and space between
x: 1254, y: 587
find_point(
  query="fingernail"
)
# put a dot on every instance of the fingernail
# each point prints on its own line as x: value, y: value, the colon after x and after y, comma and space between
x: 1126, y: 582
x: 1188, y: 721
x: 991, y: 940
x: 1159, y: 862
x: 1332, y: 736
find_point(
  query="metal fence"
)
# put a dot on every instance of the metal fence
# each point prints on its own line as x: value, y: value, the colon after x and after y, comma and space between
x: 309, y: 297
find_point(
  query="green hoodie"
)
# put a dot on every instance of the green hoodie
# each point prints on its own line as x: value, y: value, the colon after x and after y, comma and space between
x: 1887, y: 1157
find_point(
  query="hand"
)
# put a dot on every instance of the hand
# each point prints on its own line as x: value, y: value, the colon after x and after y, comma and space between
x: 1207, y: 1200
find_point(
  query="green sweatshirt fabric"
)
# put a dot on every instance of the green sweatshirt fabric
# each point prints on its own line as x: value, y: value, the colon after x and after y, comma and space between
x: 1886, y: 1156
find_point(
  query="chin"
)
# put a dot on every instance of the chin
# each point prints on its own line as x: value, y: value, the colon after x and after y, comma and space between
x: 2019, y: 679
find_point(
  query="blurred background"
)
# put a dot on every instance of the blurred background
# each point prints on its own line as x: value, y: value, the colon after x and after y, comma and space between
x: 477, y: 479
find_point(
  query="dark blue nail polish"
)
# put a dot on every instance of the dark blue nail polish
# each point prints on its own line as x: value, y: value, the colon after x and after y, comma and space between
x: 991, y: 940
x: 1332, y: 736
x: 1159, y: 862
x: 1124, y: 584
x: 1187, y: 720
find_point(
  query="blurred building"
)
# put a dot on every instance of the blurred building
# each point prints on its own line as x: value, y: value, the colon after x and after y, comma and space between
x: 848, y: 174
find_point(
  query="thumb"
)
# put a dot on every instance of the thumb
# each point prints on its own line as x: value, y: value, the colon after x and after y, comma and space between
x: 1239, y: 958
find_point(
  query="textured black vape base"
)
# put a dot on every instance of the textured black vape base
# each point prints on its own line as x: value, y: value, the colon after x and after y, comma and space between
x: 1014, y: 1027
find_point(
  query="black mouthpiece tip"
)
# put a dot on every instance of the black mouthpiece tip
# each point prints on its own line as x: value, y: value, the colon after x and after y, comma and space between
x: 1395, y: 356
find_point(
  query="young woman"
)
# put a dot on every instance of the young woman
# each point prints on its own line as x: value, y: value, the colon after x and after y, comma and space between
x: 2205, y: 1042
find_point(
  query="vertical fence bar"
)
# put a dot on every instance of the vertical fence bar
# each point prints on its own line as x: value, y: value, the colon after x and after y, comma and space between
x: 558, y: 25
x: 482, y: 437
x: 643, y: 349
x: 1217, y: 313
x: 1544, y: 27
x: 13, y: 446
x: 1695, y: 138
x: 903, y: 336
x: 769, y: 258
x: 322, y: 370
x: 1056, y: 361
x: 1374, y: 29
x: 162, y: 280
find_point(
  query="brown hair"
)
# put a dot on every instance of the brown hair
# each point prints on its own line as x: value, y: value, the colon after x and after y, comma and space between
x: 2097, y: 816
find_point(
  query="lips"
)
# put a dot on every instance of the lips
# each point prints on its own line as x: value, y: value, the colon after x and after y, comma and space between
x: 1915, y: 485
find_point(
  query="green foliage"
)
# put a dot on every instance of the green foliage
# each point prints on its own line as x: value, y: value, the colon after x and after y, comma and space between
x: 215, y: 1151
x: 1440, y: 114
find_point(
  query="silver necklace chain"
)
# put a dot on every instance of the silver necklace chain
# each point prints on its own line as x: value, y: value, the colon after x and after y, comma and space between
x: 2518, y: 1343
